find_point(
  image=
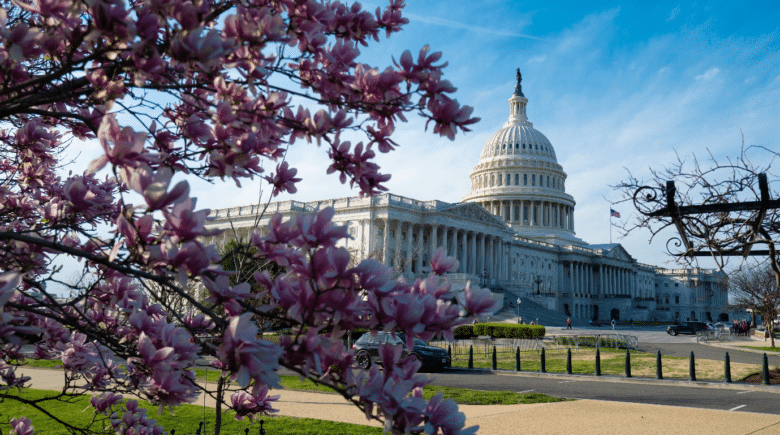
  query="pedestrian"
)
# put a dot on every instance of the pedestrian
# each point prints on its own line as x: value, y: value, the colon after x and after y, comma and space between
x: 613, y: 324
x: 568, y: 323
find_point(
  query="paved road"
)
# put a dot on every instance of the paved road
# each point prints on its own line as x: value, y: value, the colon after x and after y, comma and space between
x: 581, y: 387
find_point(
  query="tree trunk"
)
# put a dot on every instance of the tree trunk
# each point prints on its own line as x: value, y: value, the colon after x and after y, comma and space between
x: 218, y: 408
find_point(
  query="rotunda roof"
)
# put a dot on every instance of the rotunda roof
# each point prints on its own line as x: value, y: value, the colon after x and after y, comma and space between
x: 518, y: 138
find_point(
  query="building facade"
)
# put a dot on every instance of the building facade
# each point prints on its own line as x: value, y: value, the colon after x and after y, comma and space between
x: 514, y: 233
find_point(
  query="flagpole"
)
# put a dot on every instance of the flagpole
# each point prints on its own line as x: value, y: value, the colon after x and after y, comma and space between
x: 610, y: 226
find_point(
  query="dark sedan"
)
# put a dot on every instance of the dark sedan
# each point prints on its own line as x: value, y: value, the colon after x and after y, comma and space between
x: 367, y: 351
x: 687, y: 328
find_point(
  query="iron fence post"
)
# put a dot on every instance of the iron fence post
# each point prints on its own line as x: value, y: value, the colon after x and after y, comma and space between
x: 727, y: 368
x: 598, y: 362
x: 628, y: 363
x: 765, y: 371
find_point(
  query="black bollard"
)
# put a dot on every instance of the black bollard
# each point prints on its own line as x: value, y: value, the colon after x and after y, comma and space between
x: 765, y: 371
x: 659, y: 373
x: 543, y: 368
x: 568, y: 361
x: 262, y: 431
x: 727, y: 367
x: 449, y: 351
x: 471, y: 356
x: 628, y: 364
x: 495, y: 360
x: 598, y: 362
x: 517, y: 359
x: 692, y: 368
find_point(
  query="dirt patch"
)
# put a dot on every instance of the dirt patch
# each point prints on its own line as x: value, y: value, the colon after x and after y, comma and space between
x: 758, y: 378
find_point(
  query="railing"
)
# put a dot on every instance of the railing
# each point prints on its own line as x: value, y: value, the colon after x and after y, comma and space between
x: 485, y: 345
x: 709, y: 335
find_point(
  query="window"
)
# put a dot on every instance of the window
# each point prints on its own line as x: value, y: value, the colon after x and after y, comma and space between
x: 525, y: 179
x: 517, y: 179
x: 523, y: 146
x: 508, y: 179
x: 492, y: 179
x: 676, y: 284
x: 667, y: 299
x: 548, y: 181
x: 499, y: 179
x: 517, y: 145
x: 533, y: 179
x: 677, y: 299
x: 392, y: 233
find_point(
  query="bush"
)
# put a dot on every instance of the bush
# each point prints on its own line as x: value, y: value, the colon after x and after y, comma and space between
x: 508, y: 330
x: 464, y: 331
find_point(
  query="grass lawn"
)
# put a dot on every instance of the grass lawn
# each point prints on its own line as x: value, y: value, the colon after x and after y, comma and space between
x: 613, y: 362
x: 78, y: 412
x: 764, y: 348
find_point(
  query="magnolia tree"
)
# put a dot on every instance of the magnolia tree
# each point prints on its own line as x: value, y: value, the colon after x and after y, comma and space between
x: 212, y: 89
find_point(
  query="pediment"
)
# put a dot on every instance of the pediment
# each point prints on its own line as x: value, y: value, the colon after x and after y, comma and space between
x: 473, y: 212
x: 619, y: 253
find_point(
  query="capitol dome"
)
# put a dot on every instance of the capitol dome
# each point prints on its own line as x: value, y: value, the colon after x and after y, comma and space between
x: 518, y: 179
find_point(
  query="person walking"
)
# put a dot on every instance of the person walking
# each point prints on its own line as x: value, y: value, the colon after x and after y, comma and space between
x: 613, y: 323
x: 568, y: 323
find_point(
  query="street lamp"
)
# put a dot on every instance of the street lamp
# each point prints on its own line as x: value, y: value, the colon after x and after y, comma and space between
x: 539, y: 285
x: 518, y: 311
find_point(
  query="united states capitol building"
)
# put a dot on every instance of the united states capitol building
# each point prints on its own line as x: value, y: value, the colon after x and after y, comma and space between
x: 514, y: 232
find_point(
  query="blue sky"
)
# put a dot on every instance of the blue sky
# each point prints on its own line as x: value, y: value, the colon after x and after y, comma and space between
x: 614, y: 86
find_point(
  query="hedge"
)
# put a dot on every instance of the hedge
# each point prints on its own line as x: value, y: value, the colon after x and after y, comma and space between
x: 508, y: 330
x: 464, y: 331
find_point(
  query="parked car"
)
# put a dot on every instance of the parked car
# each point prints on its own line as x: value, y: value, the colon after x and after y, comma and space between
x: 367, y: 351
x: 687, y: 328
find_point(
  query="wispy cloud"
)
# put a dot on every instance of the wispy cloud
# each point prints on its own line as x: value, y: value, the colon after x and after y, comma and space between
x: 706, y: 75
x: 477, y: 29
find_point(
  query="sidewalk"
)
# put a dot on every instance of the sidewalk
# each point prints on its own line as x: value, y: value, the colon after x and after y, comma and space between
x: 572, y: 417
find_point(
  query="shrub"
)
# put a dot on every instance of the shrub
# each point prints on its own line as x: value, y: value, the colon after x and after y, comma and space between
x: 464, y: 331
x: 508, y: 330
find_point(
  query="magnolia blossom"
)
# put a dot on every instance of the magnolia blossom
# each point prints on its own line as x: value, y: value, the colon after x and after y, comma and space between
x: 197, y: 89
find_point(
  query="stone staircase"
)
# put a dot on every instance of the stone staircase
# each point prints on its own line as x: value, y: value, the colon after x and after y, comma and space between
x: 530, y: 310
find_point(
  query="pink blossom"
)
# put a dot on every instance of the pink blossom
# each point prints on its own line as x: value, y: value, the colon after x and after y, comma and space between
x: 441, y: 263
x: 22, y: 426
x: 283, y: 180
x: 247, y: 405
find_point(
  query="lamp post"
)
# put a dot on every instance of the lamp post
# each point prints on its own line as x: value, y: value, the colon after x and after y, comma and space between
x: 539, y: 285
x: 518, y: 311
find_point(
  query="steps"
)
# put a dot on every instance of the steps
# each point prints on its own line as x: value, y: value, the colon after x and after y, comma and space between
x: 530, y: 310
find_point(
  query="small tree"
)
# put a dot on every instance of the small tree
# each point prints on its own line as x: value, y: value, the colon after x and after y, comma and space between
x: 757, y: 289
x: 216, y: 90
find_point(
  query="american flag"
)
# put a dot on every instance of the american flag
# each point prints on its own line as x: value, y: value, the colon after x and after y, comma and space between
x: 613, y: 213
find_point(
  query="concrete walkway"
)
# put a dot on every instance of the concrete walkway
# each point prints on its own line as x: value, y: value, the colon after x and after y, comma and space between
x: 572, y: 417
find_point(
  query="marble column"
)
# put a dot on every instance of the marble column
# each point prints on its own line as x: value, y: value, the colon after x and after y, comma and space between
x: 420, y: 248
x: 385, y: 244
x: 473, y: 254
x: 397, y: 256
x: 409, y: 249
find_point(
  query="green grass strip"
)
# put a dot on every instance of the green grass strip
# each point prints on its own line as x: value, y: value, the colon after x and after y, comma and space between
x: 78, y: 412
